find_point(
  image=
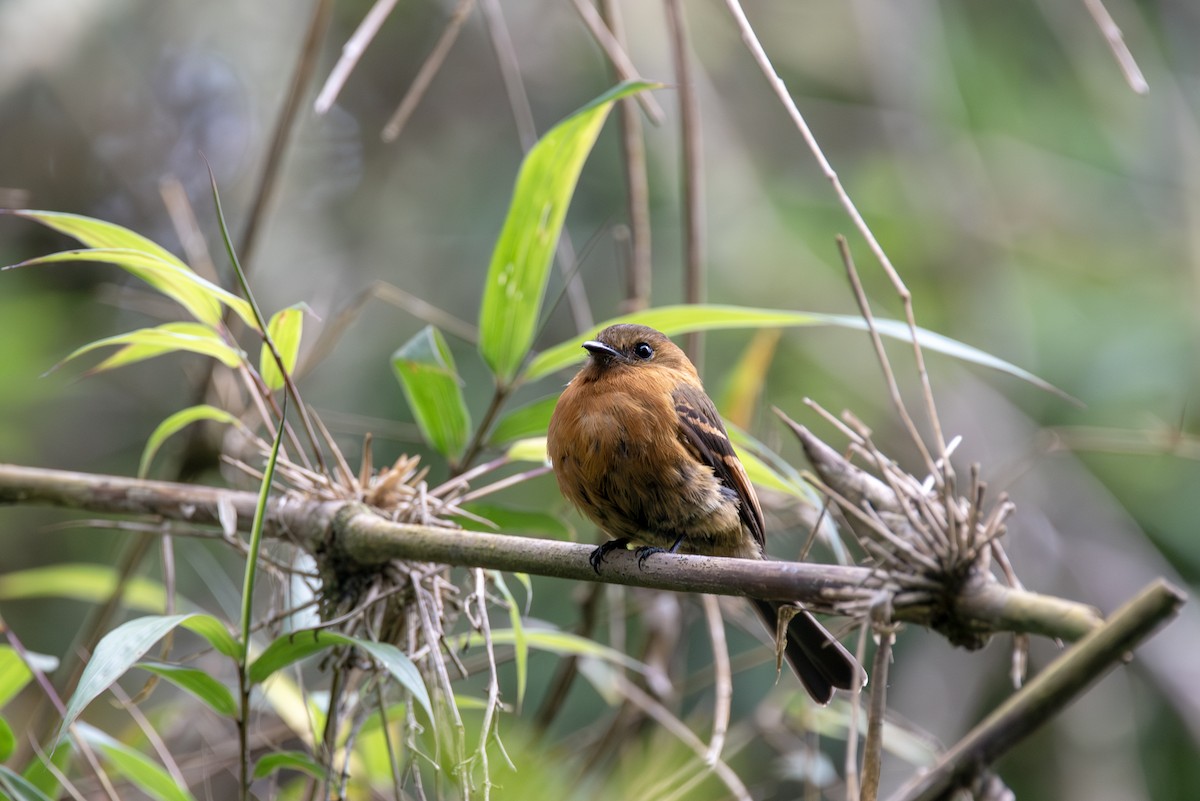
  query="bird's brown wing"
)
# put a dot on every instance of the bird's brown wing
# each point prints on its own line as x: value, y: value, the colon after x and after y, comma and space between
x: 703, y: 430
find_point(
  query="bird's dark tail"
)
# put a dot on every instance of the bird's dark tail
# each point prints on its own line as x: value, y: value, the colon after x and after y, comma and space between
x: 818, y: 659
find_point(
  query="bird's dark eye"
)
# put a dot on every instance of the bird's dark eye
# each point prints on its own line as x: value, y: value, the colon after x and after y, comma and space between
x: 643, y: 350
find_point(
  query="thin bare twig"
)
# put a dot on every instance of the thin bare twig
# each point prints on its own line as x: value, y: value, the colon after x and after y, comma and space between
x: 610, y: 42
x: 1116, y: 43
x: 637, y: 186
x: 425, y: 75
x: 692, y: 170
x: 285, y: 124
x: 352, y: 51
x: 764, y: 62
x: 873, y: 747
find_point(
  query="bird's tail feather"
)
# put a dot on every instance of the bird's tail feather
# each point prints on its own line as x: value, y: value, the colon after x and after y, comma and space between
x: 817, y: 658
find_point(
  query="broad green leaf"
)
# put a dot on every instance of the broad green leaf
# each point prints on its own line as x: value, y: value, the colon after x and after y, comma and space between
x: 93, y: 583
x: 146, y: 343
x: 285, y: 327
x: 122, y: 647
x: 201, y: 298
x: 289, y: 760
x: 291, y: 648
x: 198, y: 683
x: 528, y: 450
x: 173, y: 424
x: 672, y: 320
x: 520, y: 643
x: 516, y: 280
x: 142, y: 771
x: 425, y: 368
x: 8, y: 740
x: 529, y: 420
x: 19, y: 788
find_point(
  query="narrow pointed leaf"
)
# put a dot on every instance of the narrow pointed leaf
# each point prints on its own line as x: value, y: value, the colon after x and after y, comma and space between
x: 122, y: 647
x: 520, y: 643
x: 200, y: 297
x: 142, y: 771
x: 288, y: 760
x: 291, y: 648
x: 516, y: 280
x: 176, y: 422
x: 101, y: 236
x: 672, y: 320
x: 425, y: 368
x: 20, y: 788
x: 8, y: 740
x: 285, y: 327
x: 198, y: 683
x: 90, y: 582
x: 146, y: 343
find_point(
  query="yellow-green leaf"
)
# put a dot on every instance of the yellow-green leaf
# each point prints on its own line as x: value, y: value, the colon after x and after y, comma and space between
x: 201, y: 298
x: 532, y: 449
x: 167, y: 428
x: 93, y: 583
x: 516, y: 280
x: 146, y: 343
x: 285, y: 328
x: 425, y: 368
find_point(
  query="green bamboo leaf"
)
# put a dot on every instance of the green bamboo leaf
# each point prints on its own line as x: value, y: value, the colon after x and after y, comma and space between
x: 20, y: 788
x: 143, y: 772
x: 290, y: 648
x: 288, y: 760
x: 285, y: 328
x: 530, y: 420
x: 8, y: 740
x: 173, y: 424
x: 93, y: 583
x: 14, y: 675
x: 146, y: 343
x: 122, y: 647
x: 425, y: 368
x: 516, y: 281
x: 203, y: 686
x: 520, y: 643
x: 557, y: 642
x: 672, y: 320
x: 200, y: 297
x: 532, y: 449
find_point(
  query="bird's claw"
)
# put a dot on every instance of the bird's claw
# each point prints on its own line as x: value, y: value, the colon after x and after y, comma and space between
x: 598, y: 555
x: 645, y: 552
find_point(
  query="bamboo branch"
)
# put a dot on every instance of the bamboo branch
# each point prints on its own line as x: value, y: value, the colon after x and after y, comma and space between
x: 1048, y: 693
x: 352, y: 533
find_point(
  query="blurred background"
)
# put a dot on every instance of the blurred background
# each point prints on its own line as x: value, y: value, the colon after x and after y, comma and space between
x: 1036, y: 206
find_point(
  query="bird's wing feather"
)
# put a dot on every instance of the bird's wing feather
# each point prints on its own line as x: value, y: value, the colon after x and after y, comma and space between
x: 703, y: 430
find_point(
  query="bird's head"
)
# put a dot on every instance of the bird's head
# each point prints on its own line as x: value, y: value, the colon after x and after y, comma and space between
x: 634, y: 347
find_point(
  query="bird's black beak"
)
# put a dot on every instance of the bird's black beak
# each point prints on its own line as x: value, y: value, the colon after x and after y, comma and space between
x: 601, y: 352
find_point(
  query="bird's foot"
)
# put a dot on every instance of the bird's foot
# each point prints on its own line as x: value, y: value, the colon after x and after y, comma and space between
x: 646, y: 551
x: 604, y: 550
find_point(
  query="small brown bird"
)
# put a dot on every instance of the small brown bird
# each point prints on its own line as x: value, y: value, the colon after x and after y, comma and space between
x: 638, y: 446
